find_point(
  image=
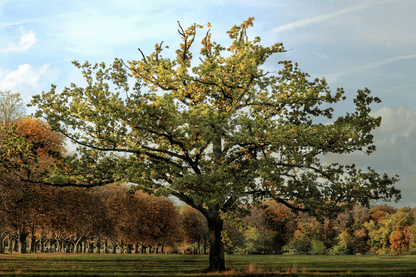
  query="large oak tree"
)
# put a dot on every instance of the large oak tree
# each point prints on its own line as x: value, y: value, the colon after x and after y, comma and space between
x: 216, y: 132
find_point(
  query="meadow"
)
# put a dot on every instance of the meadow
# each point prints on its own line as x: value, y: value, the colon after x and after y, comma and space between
x: 193, y: 265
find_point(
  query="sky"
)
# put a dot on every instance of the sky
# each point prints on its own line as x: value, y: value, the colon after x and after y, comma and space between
x: 352, y: 43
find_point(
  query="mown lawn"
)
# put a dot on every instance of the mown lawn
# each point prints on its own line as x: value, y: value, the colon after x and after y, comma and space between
x: 193, y: 265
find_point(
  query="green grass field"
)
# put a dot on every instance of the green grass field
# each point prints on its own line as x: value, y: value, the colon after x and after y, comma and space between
x: 193, y: 265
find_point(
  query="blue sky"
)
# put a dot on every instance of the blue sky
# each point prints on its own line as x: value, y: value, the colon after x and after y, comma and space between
x: 353, y: 44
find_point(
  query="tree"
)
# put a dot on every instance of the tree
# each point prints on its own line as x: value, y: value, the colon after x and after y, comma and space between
x: 281, y: 220
x: 378, y: 213
x: 22, y: 202
x: 149, y: 220
x: 195, y: 229
x: 393, y: 234
x: 11, y: 107
x: 216, y: 135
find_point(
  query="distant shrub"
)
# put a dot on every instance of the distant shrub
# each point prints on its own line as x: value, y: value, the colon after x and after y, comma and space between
x: 317, y: 247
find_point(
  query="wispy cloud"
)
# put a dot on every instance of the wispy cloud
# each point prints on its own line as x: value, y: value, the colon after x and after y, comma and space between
x: 26, y: 41
x: 377, y: 64
x: 308, y: 21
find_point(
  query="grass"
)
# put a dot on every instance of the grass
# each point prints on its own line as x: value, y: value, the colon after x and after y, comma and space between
x: 193, y: 265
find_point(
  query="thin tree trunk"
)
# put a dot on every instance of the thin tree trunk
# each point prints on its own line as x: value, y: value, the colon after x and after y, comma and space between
x: 15, y: 245
x: 105, y: 247
x: 2, y: 245
x: 98, y: 245
x: 136, y: 248
x: 10, y: 245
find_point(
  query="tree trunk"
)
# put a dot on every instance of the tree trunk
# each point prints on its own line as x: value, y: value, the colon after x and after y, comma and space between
x: 136, y: 248
x: 90, y: 247
x: 105, y: 247
x: 32, y: 245
x: 98, y: 245
x: 15, y: 245
x: 2, y: 245
x: 10, y: 245
x: 40, y: 244
x: 216, y: 246
x: 22, y: 236
x: 129, y: 246
x: 77, y: 245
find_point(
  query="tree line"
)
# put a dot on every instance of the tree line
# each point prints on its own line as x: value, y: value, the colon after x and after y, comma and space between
x: 276, y: 229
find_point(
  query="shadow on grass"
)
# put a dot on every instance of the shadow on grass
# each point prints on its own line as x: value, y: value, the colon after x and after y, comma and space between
x: 189, y: 265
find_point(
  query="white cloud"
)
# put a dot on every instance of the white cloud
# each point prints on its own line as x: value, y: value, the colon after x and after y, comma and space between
x: 394, y: 120
x: 26, y: 77
x: 26, y: 41
x: 394, y: 139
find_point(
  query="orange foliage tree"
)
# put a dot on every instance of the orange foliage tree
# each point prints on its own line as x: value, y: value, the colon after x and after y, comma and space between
x: 23, y: 202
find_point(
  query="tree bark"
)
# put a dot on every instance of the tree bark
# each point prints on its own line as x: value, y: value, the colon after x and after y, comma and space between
x: 77, y: 245
x: 2, y: 247
x: 216, y: 246
x: 10, y: 245
x: 32, y: 245
x: 22, y: 236
x: 98, y: 245
x: 105, y: 247
x: 90, y: 247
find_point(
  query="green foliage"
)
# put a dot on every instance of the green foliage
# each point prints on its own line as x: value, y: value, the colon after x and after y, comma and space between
x: 379, y: 235
x: 301, y: 242
x: 317, y: 247
x: 342, y: 247
x: 253, y: 242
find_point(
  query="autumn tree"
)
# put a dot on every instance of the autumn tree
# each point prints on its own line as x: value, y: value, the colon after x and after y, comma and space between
x: 195, y: 228
x: 149, y: 220
x: 393, y: 234
x: 379, y: 212
x: 22, y: 202
x: 216, y: 133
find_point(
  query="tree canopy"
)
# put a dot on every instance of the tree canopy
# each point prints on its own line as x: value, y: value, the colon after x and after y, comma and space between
x: 216, y: 132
